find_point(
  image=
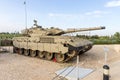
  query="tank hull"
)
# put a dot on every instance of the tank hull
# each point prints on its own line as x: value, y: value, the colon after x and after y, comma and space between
x: 51, y: 48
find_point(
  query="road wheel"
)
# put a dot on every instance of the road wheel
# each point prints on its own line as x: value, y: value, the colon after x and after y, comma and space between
x: 33, y: 53
x: 59, y: 57
x: 15, y: 50
x: 41, y: 54
x: 72, y: 53
x: 49, y: 56
x: 26, y: 52
x: 21, y: 51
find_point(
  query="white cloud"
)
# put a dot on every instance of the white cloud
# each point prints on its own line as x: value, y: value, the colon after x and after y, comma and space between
x: 114, y: 3
x: 51, y: 14
x: 63, y: 15
x: 59, y: 15
x: 96, y: 13
x: 93, y: 12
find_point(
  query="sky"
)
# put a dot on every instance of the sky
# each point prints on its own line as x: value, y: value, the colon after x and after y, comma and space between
x: 62, y: 14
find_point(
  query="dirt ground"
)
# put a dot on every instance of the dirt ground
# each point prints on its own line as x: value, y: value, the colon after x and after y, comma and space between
x: 19, y: 67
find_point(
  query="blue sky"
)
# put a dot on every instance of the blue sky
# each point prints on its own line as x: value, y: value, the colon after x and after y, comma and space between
x: 62, y: 14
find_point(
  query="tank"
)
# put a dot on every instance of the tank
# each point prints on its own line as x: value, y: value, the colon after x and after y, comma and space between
x: 52, y: 44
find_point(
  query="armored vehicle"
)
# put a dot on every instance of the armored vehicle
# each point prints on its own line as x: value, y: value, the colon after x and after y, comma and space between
x: 50, y: 43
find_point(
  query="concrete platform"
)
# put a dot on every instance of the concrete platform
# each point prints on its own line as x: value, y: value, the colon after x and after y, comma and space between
x: 74, y: 73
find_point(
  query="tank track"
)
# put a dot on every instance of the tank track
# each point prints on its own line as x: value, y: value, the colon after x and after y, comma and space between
x: 56, y: 57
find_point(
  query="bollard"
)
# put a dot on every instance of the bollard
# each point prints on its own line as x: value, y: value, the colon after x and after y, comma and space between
x: 106, y: 72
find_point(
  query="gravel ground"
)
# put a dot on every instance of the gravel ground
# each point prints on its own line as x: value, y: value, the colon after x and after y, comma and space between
x: 19, y: 67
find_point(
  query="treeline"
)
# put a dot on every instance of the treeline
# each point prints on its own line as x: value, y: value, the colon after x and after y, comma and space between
x: 113, y: 39
x: 6, y: 38
x: 8, y: 35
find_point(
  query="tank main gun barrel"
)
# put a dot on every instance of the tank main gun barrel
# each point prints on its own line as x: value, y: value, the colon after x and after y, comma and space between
x: 83, y: 29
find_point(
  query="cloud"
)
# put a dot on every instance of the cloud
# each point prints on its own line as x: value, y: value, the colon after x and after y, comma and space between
x: 59, y: 15
x: 93, y: 12
x: 114, y: 3
x: 63, y: 15
x: 56, y: 15
x: 96, y: 13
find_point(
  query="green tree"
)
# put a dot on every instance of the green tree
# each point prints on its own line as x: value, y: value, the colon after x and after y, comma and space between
x: 117, y: 36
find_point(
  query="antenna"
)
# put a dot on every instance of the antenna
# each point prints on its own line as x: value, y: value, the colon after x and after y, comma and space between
x: 25, y: 14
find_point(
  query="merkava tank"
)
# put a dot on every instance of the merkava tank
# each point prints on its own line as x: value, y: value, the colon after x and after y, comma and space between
x: 50, y: 44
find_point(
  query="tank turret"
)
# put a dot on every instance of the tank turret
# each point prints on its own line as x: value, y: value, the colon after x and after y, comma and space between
x: 49, y: 44
x: 38, y: 30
